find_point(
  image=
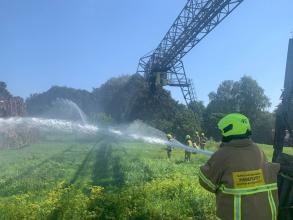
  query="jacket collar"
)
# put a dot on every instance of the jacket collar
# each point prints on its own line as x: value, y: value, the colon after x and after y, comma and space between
x: 247, y: 142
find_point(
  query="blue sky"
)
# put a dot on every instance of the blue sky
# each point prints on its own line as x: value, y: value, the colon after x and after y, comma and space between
x: 81, y: 44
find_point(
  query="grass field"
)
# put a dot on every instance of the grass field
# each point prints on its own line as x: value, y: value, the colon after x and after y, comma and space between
x: 102, y: 179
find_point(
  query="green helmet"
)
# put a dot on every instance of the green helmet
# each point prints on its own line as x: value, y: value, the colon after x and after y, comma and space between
x: 169, y: 136
x: 234, y: 124
x: 187, y: 137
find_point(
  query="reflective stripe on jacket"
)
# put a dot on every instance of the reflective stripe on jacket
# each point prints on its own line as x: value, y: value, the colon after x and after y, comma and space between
x: 244, y: 182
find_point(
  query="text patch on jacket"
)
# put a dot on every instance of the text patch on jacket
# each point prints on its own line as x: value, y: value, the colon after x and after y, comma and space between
x: 245, y: 179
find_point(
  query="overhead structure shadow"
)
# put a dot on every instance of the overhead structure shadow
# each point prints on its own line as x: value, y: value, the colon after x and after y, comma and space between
x: 108, y: 169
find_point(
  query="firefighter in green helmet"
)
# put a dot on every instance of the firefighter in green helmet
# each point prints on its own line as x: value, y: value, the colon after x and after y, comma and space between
x: 244, y: 182
x: 197, y: 139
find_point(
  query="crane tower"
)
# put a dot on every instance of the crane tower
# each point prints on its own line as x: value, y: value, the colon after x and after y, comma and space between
x: 164, y: 65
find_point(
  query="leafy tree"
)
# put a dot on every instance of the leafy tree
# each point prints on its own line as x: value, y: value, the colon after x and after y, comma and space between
x: 262, y: 127
x: 38, y: 104
x: 250, y: 97
x: 101, y: 118
x: 225, y: 99
x: 185, y: 123
x: 244, y: 96
x: 4, y: 93
x: 107, y: 93
x: 199, y: 110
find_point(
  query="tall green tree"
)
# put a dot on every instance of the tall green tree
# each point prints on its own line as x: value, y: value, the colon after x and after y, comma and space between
x: 4, y: 93
x: 250, y: 97
x: 199, y: 110
x: 244, y: 96
x: 39, y: 103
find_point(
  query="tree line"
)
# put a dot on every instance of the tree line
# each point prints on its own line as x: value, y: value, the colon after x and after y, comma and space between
x: 127, y: 98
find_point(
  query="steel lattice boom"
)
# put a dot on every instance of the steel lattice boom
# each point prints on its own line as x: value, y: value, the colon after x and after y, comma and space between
x: 164, y: 65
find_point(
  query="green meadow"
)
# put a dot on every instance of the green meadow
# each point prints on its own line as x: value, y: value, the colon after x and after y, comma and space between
x: 103, y: 178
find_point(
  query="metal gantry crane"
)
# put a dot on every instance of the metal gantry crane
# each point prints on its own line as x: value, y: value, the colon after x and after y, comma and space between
x: 164, y: 65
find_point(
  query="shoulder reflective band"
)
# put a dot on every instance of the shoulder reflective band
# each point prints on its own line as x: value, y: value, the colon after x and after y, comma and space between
x: 251, y: 190
x: 206, y: 180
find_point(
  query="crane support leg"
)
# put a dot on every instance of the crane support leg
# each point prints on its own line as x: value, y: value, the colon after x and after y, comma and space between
x: 177, y: 77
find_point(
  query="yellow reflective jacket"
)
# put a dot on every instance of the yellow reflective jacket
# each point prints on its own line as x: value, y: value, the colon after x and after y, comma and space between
x: 189, y: 143
x: 244, y: 182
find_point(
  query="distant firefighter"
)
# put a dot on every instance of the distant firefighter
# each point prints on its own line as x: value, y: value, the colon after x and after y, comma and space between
x: 169, y: 146
x: 203, y: 141
x: 196, y: 143
x: 188, y: 143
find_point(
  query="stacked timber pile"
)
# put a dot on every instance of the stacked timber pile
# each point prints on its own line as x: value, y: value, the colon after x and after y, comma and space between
x: 14, y: 136
x: 10, y: 106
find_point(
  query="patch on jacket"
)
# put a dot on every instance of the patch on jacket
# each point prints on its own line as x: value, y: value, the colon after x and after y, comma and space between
x: 244, y: 179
